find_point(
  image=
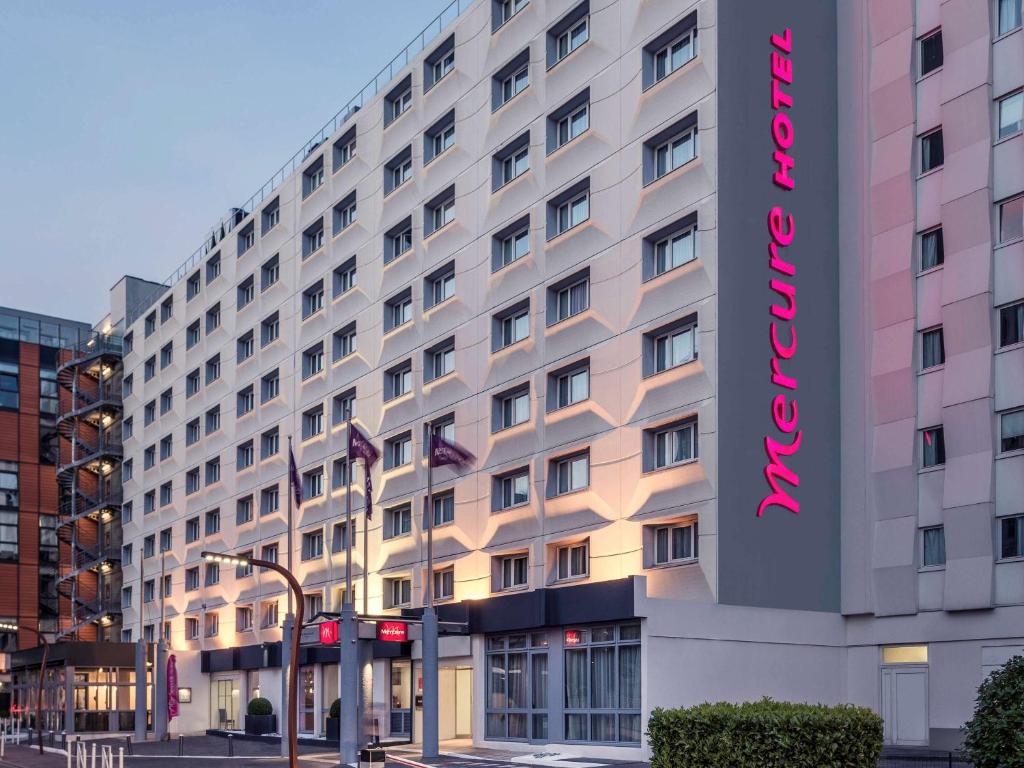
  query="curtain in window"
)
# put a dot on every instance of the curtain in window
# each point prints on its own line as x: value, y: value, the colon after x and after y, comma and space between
x: 517, y: 681
x: 629, y: 676
x: 576, y: 679
x: 539, y: 680
x: 1009, y: 15
x: 496, y: 684
x: 934, y: 546
x: 602, y: 665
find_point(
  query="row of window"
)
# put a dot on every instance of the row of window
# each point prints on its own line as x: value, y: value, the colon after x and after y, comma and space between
x: 1011, y: 438
x: 1010, y: 545
x: 1010, y: 333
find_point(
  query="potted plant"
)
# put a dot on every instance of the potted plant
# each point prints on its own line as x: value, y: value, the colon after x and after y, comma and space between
x: 334, y: 720
x: 260, y: 717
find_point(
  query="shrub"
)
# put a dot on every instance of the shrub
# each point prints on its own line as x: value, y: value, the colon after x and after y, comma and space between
x: 260, y: 706
x: 995, y: 733
x: 765, y: 734
x: 335, y: 708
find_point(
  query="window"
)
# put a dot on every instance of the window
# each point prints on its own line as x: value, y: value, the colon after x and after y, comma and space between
x: 212, y: 268
x: 313, y: 360
x: 513, y: 571
x: 192, y: 484
x: 511, y: 80
x: 149, y: 369
x: 669, y: 347
x: 126, y: 597
x: 503, y: 10
x: 269, y: 612
x: 439, y: 63
x: 212, y: 522
x: 398, y: 592
x: 571, y: 124
x: 9, y: 387
x: 675, y: 543
x: 670, y: 445
x: 439, y: 360
x: 212, y: 471
x: 569, y: 210
x: 127, y: 470
x: 270, y: 272
x: 270, y: 501
x: 270, y: 443
x: 1009, y: 16
x: 212, y: 619
x: 345, y: 212
x: 439, y: 212
x: 191, y: 530
x: 572, y: 561
x: 439, y: 138
x: 312, y: 545
x: 570, y: 299
x: 443, y: 506
x: 246, y: 346
x: 345, y: 341
x: 313, y: 422
x: 213, y: 369
x: 192, y: 383
x: 932, y: 348
x: 517, y: 687
x: 397, y: 521
x: 670, y: 51
x: 398, y: 101
x: 149, y: 546
x: 166, y: 494
x: 313, y: 299
x: 213, y: 318
x: 511, y: 326
x: 192, y: 579
x: 444, y: 583
x: 1011, y: 114
x: 1011, y: 324
x: 149, y: 457
x: 511, y: 244
x: 166, y: 447
x: 933, y: 547
x: 572, y: 31
x: 149, y: 502
x: 313, y: 238
x: 398, y: 240
x: 126, y: 512
x: 246, y: 455
x: 571, y: 473
x: 674, y: 152
x: 166, y: 586
x: 1011, y: 431
x: 243, y: 618
x: 314, y: 604
x: 933, y: 447
x: 166, y: 401
x: 398, y: 451
x: 570, y: 386
x: 246, y: 238
x: 165, y: 540
x: 1011, y: 220
x: 313, y: 177
x: 246, y: 401
x: 602, y: 684
x: 271, y: 215
x: 398, y: 310
x: 339, y: 473
x: 270, y: 386
x: 150, y: 324
x: 512, y: 408
x: 398, y: 170
x: 270, y: 329
x: 191, y: 628
x: 344, y: 405
x: 931, y: 150
x: 148, y: 591
x: 313, y: 483
x: 192, y: 287
x: 243, y: 510
x: 440, y: 285
x: 511, y: 489
x: 345, y: 148
x: 213, y: 420
x: 345, y: 277
x: 166, y: 309
x: 1011, y: 536
x: 192, y: 335
x: 511, y: 161
x: 127, y: 427
x: 246, y: 291
x: 932, y: 252
x: 931, y: 52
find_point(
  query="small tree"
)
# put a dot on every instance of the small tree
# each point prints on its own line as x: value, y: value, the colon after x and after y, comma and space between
x: 995, y: 734
x: 335, y: 708
x: 260, y: 706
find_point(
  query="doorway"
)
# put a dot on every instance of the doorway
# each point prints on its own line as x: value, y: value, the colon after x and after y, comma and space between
x: 905, y: 704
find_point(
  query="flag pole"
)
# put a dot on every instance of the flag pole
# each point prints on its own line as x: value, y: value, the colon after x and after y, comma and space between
x: 288, y: 563
x: 348, y: 659
x: 430, y: 656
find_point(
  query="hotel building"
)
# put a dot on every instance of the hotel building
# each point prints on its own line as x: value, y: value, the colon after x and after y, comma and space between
x: 573, y: 237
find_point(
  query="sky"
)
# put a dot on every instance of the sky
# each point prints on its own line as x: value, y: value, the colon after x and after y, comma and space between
x: 129, y: 127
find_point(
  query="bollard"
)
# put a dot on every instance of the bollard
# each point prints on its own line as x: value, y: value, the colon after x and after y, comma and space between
x: 181, y: 745
x: 120, y: 757
x: 231, y: 745
x: 69, y: 758
x: 93, y: 763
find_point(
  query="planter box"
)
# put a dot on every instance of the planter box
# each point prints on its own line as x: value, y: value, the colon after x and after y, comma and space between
x: 333, y: 728
x: 260, y: 724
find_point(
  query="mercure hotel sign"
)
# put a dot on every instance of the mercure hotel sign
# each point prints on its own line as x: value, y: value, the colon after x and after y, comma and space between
x: 784, y: 443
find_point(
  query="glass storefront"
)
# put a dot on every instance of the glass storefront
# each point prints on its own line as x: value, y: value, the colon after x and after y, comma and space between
x: 517, y: 681
x: 224, y: 703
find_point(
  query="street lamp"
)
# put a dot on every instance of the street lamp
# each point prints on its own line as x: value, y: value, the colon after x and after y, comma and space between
x: 6, y: 627
x: 293, y: 665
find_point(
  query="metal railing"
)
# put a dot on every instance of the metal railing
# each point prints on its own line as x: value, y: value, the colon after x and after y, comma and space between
x: 236, y: 216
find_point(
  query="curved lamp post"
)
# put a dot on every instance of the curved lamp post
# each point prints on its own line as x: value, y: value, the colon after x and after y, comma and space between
x: 5, y: 627
x: 293, y: 665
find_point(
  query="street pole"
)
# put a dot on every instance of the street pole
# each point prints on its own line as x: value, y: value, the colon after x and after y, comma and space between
x: 288, y: 686
x: 348, y: 657
x: 140, y: 661
x: 430, y: 706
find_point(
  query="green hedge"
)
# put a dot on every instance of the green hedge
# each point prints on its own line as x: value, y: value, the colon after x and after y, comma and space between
x: 259, y: 706
x: 765, y: 734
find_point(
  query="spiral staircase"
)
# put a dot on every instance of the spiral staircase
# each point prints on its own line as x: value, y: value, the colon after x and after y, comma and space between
x: 89, y: 477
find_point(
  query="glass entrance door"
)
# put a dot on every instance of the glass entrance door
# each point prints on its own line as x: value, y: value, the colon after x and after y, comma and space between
x: 401, y: 698
x: 224, y: 704
x: 307, y: 686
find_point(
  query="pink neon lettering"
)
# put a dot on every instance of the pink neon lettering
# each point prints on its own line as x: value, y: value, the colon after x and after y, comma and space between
x: 776, y: 470
x: 784, y: 42
x: 780, y: 351
x: 785, y: 424
x: 788, y: 292
x: 782, y: 130
x: 785, y: 162
x: 778, y: 263
x: 781, y: 236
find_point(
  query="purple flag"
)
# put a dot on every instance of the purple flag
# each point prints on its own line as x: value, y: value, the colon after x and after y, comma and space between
x: 293, y: 472
x: 359, y: 446
x: 445, y: 452
x: 367, y: 490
